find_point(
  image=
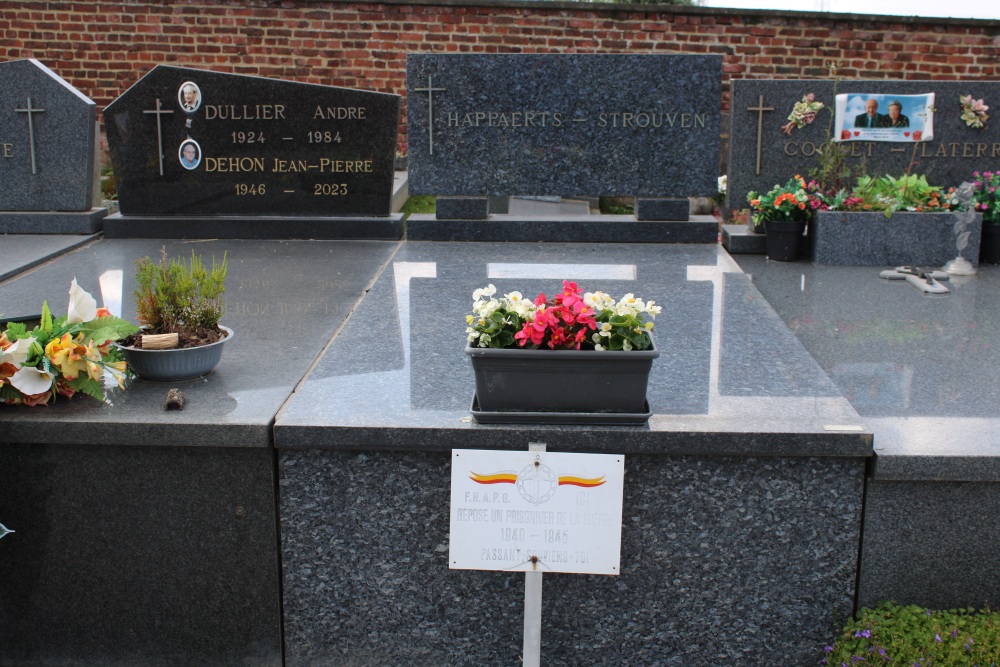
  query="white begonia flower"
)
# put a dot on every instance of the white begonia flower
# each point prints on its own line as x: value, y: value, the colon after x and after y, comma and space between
x: 82, y: 306
x: 489, y: 291
x: 513, y: 297
x: 484, y: 340
x: 604, y: 329
x: 30, y: 381
x: 598, y: 301
x: 17, y: 353
x: 627, y: 345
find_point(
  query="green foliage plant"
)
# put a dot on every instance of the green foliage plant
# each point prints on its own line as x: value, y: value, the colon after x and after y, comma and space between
x: 910, y: 636
x: 178, y: 295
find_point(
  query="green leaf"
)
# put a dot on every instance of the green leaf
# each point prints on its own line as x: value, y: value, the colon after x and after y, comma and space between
x: 16, y: 331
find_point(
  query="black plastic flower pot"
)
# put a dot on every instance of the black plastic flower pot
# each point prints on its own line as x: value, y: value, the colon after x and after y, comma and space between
x: 565, y: 381
x: 784, y: 239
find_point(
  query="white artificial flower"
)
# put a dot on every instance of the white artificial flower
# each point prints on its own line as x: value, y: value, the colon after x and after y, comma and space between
x: 722, y: 185
x: 82, y: 306
x: 30, y: 381
x: 17, y: 353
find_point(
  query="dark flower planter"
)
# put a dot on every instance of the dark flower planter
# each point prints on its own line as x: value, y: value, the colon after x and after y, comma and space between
x: 841, y: 238
x: 179, y: 364
x: 989, y: 251
x: 784, y: 239
x: 562, y: 381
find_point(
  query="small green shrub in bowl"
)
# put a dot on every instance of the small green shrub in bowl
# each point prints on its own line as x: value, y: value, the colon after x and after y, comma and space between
x: 178, y: 302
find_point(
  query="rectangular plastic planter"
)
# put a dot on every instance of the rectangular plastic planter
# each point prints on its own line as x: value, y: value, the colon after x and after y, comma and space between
x: 839, y: 238
x: 587, y: 381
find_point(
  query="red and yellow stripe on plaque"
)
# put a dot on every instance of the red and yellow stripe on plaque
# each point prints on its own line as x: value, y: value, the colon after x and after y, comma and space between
x: 511, y: 478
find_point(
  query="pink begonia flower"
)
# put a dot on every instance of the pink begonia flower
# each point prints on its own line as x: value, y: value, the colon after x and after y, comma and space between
x: 82, y: 306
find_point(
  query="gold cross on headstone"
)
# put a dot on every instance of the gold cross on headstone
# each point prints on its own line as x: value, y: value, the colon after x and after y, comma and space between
x: 430, y: 90
x: 159, y: 111
x: 30, y: 110
x: 760, y: 109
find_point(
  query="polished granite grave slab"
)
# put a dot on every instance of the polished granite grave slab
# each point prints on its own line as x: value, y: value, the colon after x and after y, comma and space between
x: 921, y: 371
x: 731, y: 378
x: 25, y: 251
x: 290, y: 294
x: 741, y: 494
x: 146, y: 537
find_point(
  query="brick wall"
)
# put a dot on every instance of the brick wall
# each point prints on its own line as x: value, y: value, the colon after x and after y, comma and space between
x: 102, y: 48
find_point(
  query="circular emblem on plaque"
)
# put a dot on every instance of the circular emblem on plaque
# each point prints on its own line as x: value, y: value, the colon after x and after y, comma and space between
x: 189, y: 96
x: 537, y: 483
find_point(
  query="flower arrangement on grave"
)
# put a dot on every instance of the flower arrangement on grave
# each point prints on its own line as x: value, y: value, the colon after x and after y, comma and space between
x: 178, y: 302
x: 794, y: 201
x: 973, y: 112
x: 64, y: 355
x: 571, y: 320
x: 909, y: 192
x: 803, y: 113
x: 986, y: 195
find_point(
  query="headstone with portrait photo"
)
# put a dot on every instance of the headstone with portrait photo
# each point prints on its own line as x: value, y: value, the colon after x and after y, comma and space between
x: 889, y: 126
x: 49, y: 169
x: 201, y: 154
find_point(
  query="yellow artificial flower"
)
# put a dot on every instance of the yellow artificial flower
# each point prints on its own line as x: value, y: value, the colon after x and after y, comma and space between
x: 68, y: 355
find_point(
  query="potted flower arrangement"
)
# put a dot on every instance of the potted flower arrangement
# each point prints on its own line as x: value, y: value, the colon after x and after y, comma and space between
x: 784, y: 212
x: 986, y: 196
x: 62, y: 356
x: 179, y: 304
x: 884, y: 221
x: 580, y: 357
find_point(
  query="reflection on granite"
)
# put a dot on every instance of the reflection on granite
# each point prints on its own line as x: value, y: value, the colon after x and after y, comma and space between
x: 725, y: 561
x: 920, y: 369
x: 284, y: 299
x: 25, y: 251
x: 395, y: 376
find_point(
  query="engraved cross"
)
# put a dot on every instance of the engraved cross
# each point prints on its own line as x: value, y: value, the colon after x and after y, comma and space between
x: 430, y: 90
x: 30, y: 110
x: 760, y: 109
x: 159, y: 111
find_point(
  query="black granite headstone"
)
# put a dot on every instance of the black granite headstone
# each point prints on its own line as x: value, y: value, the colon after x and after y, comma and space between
x: 582, y: 124
x: 762, y: 155
x: 47, y: 167
x: 189, y: 144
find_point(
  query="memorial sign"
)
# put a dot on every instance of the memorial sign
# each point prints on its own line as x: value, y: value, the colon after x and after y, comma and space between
x: 536, y: 511
x: 47, y: 154
x: 188, y: 142
x: 581, y: 124
x: 767, y: 148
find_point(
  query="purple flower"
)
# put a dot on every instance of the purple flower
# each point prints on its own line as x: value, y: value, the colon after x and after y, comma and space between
x: 937, y: 638
x: 954, y: 633
x: 828, y: 649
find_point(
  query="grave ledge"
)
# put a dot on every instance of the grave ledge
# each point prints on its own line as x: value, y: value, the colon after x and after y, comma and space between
x: 52, y: 222
x: 388, y: 228
x: 593, y: 228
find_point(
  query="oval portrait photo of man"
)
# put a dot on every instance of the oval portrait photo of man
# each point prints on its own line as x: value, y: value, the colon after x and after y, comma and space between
x: 189, y: 96
x: 189, y: 154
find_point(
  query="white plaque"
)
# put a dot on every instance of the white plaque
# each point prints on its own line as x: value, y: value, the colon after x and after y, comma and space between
x: 536, y: 511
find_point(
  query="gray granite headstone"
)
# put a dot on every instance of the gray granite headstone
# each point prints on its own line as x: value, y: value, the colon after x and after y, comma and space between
x: 579, y: 125
x: 760, y: 108
x: 201, y: 153
x: 47, y: 159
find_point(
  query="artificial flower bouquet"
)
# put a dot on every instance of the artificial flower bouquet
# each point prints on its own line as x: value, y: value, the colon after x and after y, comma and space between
x: 570, y: 320
x: 987, y: 195
x: 63, y: 355
x: 794, y: 201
